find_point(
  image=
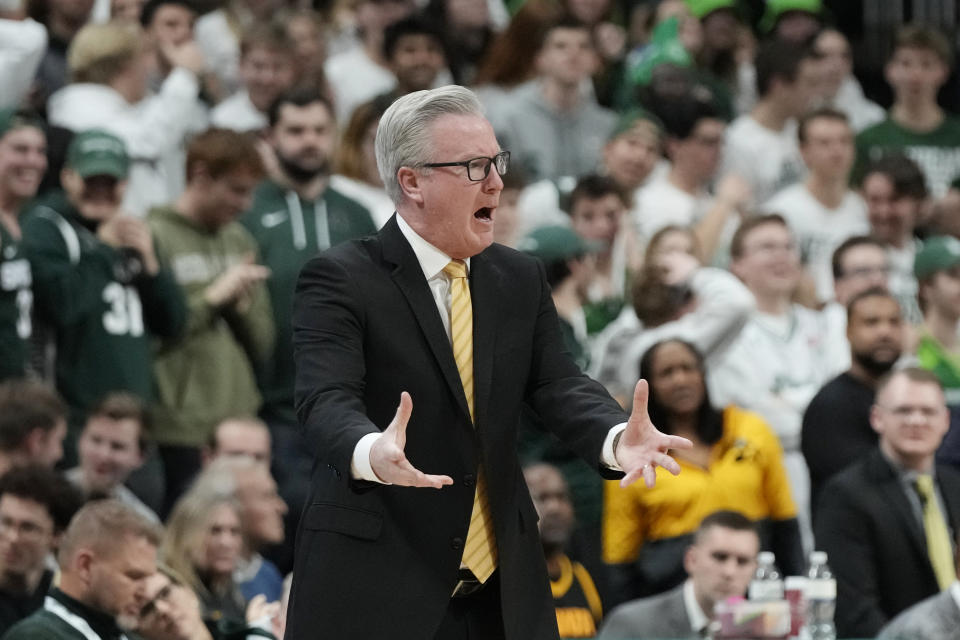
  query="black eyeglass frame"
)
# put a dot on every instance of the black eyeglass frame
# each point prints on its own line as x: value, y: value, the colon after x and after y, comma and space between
x: 491, y: 162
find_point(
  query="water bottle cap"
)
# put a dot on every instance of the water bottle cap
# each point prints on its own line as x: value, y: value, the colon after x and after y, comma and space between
x: 765, y: 557
x: 818, y: 557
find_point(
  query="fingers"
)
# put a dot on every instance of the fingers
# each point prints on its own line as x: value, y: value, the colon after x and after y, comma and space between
x: 410, y: 476
x: 678, y: 442
x: 400, y: 419
x: 641, y: 394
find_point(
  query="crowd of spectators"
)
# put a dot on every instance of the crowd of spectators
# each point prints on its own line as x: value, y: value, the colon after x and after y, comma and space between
x: 721, y: 204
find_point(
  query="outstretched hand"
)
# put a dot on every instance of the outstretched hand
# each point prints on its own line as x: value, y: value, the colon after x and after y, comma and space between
x: 388, y: 460
x: 641, y: 448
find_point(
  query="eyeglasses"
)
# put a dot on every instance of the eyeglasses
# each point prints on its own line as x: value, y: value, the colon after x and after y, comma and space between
x: 479, y: 168
x: 151, y: 606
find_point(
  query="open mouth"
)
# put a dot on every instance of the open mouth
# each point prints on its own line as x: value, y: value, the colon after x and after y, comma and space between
x: 485, y: 214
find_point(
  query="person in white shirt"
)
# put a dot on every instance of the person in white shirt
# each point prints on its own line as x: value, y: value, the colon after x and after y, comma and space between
x: 822, y: 210
x: 266, y: 71
x: 219, y: 34
x: 694, y: 143
x: 111, y: 447
x: 859, y: 264
x: 361, y: 73
x: 168, y: 24
x: 777, y: 364
x: 896, y: 194
x: 761, y: 146
x: 674, y: 297
x: 23, y: 43
x: 110, y: 63
x: 839, y: 88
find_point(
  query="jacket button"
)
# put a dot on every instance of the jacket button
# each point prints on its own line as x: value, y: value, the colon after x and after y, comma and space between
x: 469, y: 480
x: 456, y: 544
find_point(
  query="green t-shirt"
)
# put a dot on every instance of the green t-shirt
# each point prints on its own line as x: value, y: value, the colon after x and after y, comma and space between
x: 16, y: 305
x: 102, y: 319
x: 937, y: 152
x: 945, y: 365
x: 289, y: 231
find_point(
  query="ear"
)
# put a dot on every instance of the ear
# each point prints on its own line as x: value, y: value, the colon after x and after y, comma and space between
x: 82, y: 564
x: 690, y: 559
x: 736, y: 268
x: 409, y: 181
x: 875, y: 419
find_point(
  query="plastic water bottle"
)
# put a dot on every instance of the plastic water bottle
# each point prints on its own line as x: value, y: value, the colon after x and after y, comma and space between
x: 767, y: 584
x: 821, y: 598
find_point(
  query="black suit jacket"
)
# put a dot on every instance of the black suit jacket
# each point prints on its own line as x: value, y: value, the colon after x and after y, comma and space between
x: 876, y: 545
x: 377, y: 561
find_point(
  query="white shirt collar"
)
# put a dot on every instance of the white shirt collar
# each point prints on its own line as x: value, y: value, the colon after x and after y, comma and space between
x: 698, y: 619
x: 955, y: 592
x: 431, y: 259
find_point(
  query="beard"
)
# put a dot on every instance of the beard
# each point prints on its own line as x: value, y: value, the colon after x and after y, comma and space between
x: 300, y: 173
x: 873, y: 365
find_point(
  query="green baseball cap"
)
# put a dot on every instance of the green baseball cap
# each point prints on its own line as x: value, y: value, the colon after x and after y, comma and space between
x: 701, y: 8
x: 13, y: 119
x: 938, y: 253
x: 556, y: 242
x: 629, y: 119
x: 776, y: 8
x: 98, y: 153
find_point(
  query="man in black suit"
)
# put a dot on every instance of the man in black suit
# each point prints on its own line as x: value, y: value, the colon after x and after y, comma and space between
x: 886, y: 521
x: 462, y: 333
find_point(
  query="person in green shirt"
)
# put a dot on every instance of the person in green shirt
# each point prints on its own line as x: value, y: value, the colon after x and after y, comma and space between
x: 100, y: 292
x: 207, y: 373
x: 106, y: 556
x: 916, y: 125
x: 937, y: 268
x: 23, y: 161
x: 296, y: 214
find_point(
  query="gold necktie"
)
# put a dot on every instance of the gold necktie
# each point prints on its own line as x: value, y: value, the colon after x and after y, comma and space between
x: 938, y: 536
x: 480, y: 550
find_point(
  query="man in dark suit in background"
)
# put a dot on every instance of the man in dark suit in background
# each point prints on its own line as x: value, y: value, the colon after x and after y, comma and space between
x: 886, y: 521
x: 720, y: 562
x: 430, y: 312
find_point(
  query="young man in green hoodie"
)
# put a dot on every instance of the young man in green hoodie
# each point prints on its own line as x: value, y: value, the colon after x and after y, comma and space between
x: 207, y: 374
x: 99, y: 289
x: 295, y: 215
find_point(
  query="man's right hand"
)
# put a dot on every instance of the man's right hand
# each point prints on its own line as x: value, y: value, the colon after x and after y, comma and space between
x: 388, y: 460
x: 235, y: 283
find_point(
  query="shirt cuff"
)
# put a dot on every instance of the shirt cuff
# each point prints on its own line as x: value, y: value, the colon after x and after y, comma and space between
x: 606, y: 454
x: 360, y: 468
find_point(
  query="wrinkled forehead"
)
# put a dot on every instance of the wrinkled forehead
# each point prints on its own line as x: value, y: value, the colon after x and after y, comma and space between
x: 462, y: 136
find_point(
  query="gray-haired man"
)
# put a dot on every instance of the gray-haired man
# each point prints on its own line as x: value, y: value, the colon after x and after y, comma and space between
x: 429, y: 313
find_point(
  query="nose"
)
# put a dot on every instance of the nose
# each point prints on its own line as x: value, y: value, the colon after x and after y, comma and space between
x: 493, y: 183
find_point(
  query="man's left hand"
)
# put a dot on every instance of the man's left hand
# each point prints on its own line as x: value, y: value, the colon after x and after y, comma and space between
x: 641, y: 448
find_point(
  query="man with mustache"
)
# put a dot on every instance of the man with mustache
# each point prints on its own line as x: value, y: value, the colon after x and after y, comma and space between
x: 295, y: 214
x: 836, y: 425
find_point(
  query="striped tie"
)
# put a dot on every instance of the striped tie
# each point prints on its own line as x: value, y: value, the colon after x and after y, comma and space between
x: 480, y: 551
x: 938, y: 536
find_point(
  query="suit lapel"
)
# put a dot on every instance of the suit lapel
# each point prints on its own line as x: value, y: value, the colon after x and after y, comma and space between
x: 408, y: 276
x: 485, y: 278
x: 950, y: 490
x: 888, y: 484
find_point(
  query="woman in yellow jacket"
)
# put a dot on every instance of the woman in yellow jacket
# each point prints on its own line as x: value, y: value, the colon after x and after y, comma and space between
x: 736, y: 463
